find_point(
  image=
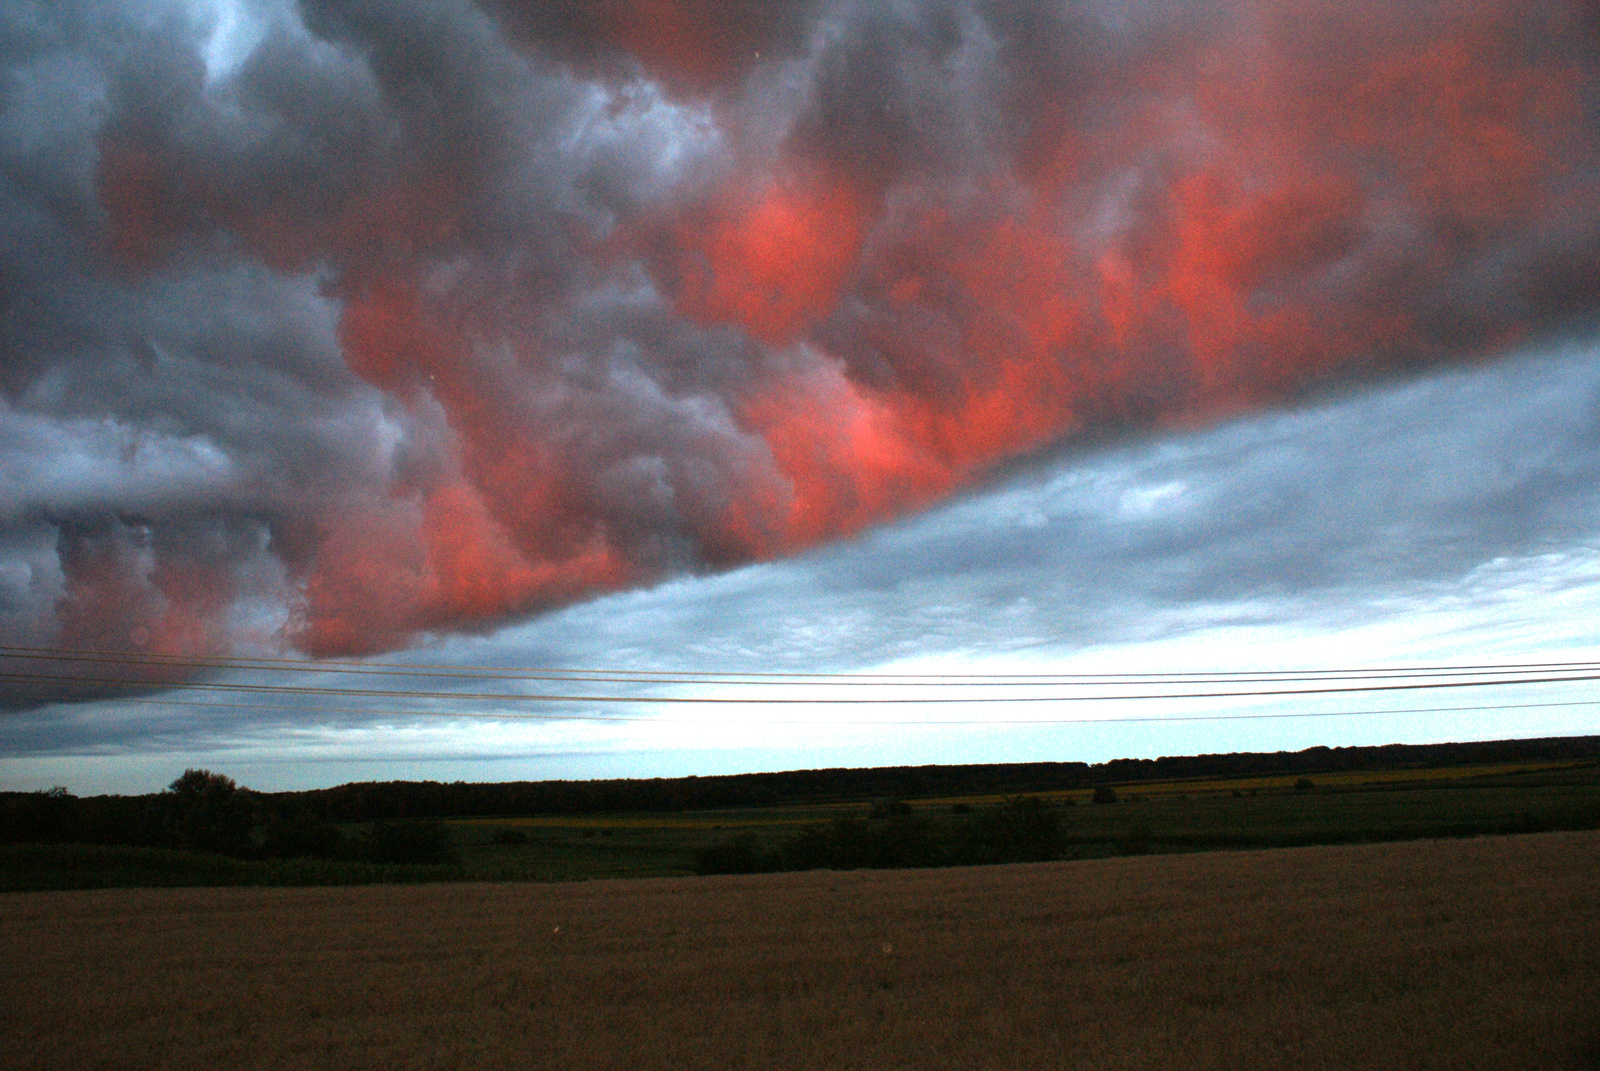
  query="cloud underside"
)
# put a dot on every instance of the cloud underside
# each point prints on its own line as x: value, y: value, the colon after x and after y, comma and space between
x: 1449, y: 520
x: 334, y: 326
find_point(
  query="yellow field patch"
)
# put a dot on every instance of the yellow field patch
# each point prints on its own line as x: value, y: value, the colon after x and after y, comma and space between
x: 1277, y: 782
x: 699, y: 820
x: 1349, y: 778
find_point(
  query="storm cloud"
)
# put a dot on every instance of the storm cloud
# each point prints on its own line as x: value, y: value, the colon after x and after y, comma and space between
x: 330, y: 326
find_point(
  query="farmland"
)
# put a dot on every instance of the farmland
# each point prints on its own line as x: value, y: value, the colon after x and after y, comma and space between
x: 1149, y: 817
x: 1481, y: 952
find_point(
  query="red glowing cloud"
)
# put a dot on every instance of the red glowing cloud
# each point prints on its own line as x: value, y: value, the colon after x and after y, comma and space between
x: 491, y: 531
x: 847, y: 308
x: 773, y: 259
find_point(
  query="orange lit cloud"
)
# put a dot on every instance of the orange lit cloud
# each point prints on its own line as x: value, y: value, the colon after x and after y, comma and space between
x: 613, y: 366
x: 773, y: 260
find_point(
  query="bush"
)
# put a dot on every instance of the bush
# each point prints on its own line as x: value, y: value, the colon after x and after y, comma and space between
x: 906, y: 840
x: 1024, y: 829
x: 1105, y: 794
x: 303, y: 835
x: 1305, y: 784
x: 507, y: 835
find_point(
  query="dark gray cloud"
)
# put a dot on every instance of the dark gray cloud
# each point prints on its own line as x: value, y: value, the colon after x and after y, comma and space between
x: 339, y: 325
x: 1448, y: 519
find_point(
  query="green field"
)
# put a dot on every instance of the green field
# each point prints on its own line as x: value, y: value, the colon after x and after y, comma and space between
x: 1148, y: 818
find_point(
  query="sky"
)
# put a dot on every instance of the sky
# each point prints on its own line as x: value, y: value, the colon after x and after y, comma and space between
x: 671, y: 342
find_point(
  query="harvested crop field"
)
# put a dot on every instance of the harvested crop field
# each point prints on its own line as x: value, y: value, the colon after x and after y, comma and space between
x: 1439, y: 954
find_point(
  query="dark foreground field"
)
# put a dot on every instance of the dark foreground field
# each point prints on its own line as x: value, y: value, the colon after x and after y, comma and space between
x: 1468, y: 953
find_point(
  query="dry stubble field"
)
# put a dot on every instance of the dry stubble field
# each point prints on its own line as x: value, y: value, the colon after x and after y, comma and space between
x: 1442, y: 954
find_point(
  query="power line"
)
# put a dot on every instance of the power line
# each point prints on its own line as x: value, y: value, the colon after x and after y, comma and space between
x: 752, y: 678
x: 922, y: 722
x: 33, y: 678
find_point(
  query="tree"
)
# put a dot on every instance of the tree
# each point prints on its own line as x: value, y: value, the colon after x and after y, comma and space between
x: 51, y: 816
x: 209, y: 813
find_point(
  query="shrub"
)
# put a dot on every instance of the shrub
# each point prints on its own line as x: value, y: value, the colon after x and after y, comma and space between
x: 302, y: 835
x: 1105, y: 794
x: 912, y: 840
x: 1022, y: 829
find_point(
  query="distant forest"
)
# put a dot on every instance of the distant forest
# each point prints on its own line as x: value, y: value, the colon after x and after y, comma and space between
x: 206, y: 811
x: 372, y: 801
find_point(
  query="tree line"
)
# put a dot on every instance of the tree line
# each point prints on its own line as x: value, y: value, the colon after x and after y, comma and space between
x: 371, y: 801
x: 207, y: 812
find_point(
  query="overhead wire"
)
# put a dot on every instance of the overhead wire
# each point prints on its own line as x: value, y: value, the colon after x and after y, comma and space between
x: 1061, y: 688
x: 655, y: 720
x: 310, y: 690
x: 754, y: 678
